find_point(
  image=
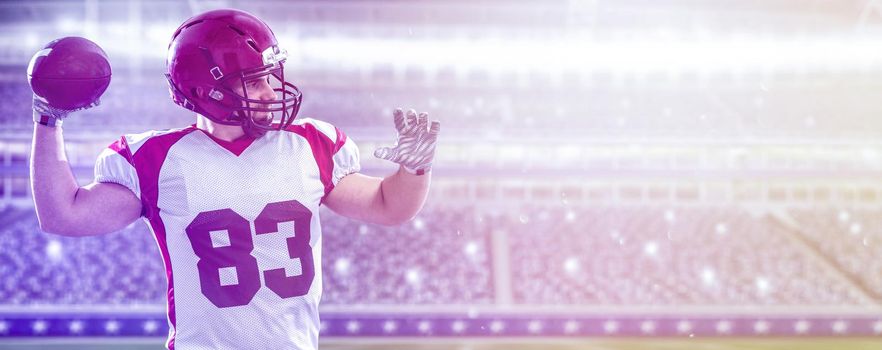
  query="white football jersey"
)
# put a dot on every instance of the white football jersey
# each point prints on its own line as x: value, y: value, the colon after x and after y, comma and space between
x: 237, y: 224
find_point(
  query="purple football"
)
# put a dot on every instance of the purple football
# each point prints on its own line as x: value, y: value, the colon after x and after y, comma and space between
x: 70, y: 73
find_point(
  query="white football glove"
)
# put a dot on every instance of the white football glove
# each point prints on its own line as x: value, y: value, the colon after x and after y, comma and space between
x: 415, y: 148
x: 50, y: 116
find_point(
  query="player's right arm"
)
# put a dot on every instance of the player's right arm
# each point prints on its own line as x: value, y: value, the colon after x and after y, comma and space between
x: 65, y: 208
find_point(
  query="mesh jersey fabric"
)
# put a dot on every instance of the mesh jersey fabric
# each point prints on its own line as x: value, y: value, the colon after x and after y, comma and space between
x: 237, y: 225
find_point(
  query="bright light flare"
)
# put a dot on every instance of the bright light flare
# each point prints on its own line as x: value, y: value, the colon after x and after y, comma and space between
x: 54, y: 251
x: 639, y: 56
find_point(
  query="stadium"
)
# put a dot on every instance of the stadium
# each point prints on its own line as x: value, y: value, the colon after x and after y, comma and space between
x: 611, y: 174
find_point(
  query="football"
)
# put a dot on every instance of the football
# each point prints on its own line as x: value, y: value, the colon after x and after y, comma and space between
x: 69, y: 73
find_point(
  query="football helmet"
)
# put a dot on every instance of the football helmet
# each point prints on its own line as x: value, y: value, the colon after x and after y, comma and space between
x: 213, y: 52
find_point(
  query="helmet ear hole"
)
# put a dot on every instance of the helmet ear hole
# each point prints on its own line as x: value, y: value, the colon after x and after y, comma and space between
x: 197, y: 92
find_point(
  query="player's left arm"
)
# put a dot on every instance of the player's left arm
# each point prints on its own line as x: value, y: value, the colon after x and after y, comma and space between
x: 396, y: 198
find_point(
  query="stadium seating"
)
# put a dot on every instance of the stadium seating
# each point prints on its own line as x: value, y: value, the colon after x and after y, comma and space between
x: 655, y: 256
x: 38, y: 268
x: 563, y: 256
x: 439, y: 258
x: 849, y: 239
x: 430, y: 261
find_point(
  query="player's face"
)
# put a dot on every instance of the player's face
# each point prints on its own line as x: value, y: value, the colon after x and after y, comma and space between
x: 258, y: 89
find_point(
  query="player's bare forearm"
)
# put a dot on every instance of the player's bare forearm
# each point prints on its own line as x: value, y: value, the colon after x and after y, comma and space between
x: 52, y: 182
x: 392, y: 200
x: 403, y: 195
x: 405, y: 192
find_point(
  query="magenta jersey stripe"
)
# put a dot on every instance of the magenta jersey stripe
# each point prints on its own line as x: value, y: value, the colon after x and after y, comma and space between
x: 341, y: 139
x: 122, y: 148
x: 323, y: 149
x: 148, y: 162
x: 159, y: 232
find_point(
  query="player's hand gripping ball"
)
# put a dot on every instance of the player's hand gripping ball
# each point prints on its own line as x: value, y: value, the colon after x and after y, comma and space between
x: 67, y: 75
x: 415, y: 148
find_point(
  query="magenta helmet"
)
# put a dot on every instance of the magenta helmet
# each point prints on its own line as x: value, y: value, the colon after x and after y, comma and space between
x: 216, y: 50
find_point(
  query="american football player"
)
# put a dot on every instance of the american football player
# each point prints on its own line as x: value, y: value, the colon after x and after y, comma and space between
x: 233, y: 199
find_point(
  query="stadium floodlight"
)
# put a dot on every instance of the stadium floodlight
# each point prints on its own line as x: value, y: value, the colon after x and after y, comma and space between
x: 839, y: 327
x: 341, y: 266
x: 651, y: 248
x: 684, y: 326
x: 708, y: 276
x: 54, y: 250
x: 390, y: 326
x: 762, y: 327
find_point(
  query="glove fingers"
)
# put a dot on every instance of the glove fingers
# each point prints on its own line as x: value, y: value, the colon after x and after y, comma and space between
x: 411, y: 120
x: 398, y: 116
x: 41, y: 105
x: 417, y: 136
x: 93, y: 104
x: 422, y: 121
x: 383, y: 153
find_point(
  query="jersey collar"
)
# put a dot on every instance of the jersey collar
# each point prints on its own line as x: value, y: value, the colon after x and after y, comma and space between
x: 235, y: 147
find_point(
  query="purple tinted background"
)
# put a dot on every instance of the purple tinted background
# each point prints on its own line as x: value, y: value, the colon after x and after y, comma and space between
x: 648, y: 162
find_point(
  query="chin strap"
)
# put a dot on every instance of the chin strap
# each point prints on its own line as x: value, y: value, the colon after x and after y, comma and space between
x: 256, y: 130
x: 252, y: 130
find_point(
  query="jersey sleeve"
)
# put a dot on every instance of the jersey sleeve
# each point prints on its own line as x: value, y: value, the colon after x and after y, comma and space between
x: 115, y: 165
x: 346, y: 158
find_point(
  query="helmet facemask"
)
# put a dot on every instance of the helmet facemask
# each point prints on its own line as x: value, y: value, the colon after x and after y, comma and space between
x: 282, y: 108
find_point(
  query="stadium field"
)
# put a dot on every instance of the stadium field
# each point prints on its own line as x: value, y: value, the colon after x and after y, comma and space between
x: 615, y: 344
x: 780, y: 343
